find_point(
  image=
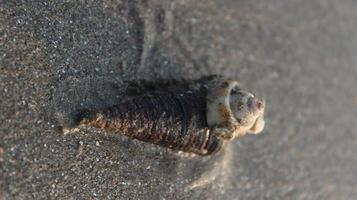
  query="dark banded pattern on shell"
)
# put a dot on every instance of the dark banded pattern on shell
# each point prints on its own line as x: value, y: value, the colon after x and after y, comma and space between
x: 174, y: 118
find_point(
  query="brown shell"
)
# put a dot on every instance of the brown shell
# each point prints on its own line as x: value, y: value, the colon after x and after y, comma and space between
x: 174, y: 118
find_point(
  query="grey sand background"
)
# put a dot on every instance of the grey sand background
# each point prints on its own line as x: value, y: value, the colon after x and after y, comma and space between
x: 59, y: 56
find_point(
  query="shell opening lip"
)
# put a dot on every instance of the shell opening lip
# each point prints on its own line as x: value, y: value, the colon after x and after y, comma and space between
x: 258, y: 104
x: 261, y: 104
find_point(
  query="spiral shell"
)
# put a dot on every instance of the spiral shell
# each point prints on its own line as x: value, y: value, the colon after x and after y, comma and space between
x: 195, y: 117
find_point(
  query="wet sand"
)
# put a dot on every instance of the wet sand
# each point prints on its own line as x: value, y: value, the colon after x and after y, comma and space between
x: 56, y: 58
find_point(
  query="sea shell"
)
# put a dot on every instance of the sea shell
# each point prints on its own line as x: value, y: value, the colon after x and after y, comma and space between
x: 194, y: 117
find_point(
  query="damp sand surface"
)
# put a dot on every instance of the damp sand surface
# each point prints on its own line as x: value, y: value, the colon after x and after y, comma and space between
x: 56, y: 57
